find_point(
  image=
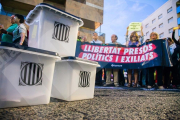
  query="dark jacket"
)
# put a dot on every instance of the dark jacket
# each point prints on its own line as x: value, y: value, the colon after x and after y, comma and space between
x: 177, y: 42
x: 175, y: 56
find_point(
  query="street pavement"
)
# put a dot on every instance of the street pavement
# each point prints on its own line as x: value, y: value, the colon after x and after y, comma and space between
x: 108, y: 103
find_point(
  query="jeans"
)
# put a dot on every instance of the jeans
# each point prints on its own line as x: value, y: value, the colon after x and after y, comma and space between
x: 144, y: 74
x: 151, y: 75
x: 115, y: 75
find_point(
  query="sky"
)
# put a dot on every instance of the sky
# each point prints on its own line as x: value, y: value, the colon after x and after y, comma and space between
x: 118, y: 14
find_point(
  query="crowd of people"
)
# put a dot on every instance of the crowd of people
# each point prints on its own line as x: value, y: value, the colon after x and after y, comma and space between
x: 166, y: 77
x: 17, y: 32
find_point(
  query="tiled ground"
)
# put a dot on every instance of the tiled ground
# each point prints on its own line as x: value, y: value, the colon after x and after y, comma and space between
x: 118, y: 103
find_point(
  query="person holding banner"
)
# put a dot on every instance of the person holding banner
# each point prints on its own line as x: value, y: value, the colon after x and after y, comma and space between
x: 84, y: 39
x: 98, y: 70
x: 79, y: 38
x: 155, y: 36
x: 95, y: 38
x: 134, y: 41
x: 175, y: 53
x: 115, y: 71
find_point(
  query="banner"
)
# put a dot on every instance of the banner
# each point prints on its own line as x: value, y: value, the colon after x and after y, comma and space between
x: 154, y: 53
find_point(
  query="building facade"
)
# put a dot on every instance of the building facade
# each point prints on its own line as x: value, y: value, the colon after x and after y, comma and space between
x: 178, y: 15
x: 162, y: 21
x: 90, y: 11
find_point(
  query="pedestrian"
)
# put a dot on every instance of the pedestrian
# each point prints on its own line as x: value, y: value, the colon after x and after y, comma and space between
x: 20, y: 33
x: 151, y: 70
x: 175, y: 53
x: 115, y: 71
x: 134, y: 40
x: 6, y: 37
x: 144, y: 72
x: 95, y: 39
x: 98, y: 70
x: 79, y: 38
x: 177, y: 42
x: 84, y: 39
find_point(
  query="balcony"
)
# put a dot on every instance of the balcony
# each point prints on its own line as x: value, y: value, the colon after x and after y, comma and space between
x: 90, y: 15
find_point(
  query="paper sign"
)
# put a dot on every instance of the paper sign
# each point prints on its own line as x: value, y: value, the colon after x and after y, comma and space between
x: 135, y: 26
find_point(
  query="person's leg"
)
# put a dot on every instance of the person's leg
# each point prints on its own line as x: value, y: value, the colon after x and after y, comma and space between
x: 135, y: 77
x: 178, y: 74
x: 98, y: 76
x: 116, y: 80
x: 121, y: 77
x: 143, y: 77
x: 108, y: 76
x: 175, y: 76
x: 129, y: 77
x: 159, y: 76
x: 25, y: 43
x: 166, y: 76
x: 150, y: 77
x: 140, y: 77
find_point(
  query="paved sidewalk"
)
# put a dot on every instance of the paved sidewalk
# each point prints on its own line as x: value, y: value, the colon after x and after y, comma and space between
x: 108, y: 103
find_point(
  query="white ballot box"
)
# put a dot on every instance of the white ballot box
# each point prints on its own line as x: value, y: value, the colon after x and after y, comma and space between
x: 26, y: 75
x: 74, y: 79
x: 53, y: 29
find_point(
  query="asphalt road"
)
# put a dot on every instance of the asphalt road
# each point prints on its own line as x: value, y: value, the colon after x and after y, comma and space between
x: 108, y: 103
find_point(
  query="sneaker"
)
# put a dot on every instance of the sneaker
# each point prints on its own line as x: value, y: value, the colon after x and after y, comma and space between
x: 174, y: 87
x: 129, y: 85
x: 165, y: 86
x: 116, y: 85
x: 135, y: 85
x: 143, y: 86
x: 126, y: 84
x: 161, y: 87
x: 149, y: 88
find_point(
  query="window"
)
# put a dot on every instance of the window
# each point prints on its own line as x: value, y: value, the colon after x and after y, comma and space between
x: 169, y: 10
x: 153, y: 21
x: 161, y: 25
x: 81, y: 1
x: 178, y: 9
x: 160, y: 16
x: 154, y: 29
x: 178, y: 21
x: 171, y: 30
x: 146, y: 25
x: 170, y: 20
x: 147, y: 34
x: 161, y: 35
x: 3, y: 12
